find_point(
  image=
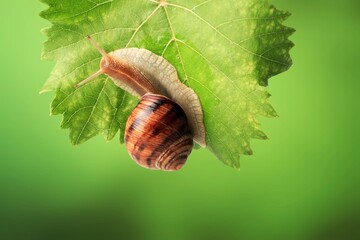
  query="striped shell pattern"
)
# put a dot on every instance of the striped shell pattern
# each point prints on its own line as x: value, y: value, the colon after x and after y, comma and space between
x: 157, y: 135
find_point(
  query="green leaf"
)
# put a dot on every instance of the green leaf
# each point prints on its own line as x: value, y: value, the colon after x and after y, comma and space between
x: 225, y: 50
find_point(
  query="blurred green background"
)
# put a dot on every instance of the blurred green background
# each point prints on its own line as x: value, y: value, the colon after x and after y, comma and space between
x: 303, y: 183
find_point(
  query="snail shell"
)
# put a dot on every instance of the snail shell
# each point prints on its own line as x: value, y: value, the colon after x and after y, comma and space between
x: 157, y: 135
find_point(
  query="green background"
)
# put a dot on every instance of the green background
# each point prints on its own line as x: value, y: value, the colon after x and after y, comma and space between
x: 303, y: 183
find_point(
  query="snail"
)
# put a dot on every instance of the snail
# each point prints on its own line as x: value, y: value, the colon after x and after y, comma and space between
x: 160, y: 131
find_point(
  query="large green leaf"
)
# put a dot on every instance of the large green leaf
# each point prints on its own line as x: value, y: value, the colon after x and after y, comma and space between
x: 225, y: 50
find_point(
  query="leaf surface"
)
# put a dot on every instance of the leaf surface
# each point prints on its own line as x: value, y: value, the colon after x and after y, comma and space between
x: 225, y: 50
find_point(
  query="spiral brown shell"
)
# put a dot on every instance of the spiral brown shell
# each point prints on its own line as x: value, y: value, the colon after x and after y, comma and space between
x: 157, y: 135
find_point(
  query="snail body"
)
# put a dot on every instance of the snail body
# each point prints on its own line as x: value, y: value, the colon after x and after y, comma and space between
x: 160, y: 131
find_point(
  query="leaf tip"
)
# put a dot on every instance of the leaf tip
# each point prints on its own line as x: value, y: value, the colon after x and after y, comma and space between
x: 74, y: 142
x: 236, y: 164
x: 44, y: 90
x: 276, y: 115
x: 287, y: 14
x: 108, y: 139
x: 44, y: 56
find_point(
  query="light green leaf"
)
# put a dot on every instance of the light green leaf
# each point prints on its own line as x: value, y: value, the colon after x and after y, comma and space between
x: 225, y: 50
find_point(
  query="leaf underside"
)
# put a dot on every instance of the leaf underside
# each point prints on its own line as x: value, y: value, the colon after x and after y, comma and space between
x: 225, y: 50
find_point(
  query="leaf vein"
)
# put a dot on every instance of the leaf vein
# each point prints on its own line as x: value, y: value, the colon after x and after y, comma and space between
x: 177, y: 46
x: 142, y: 24
x: 216, y: 68
x: 91, y: 114
x: 223, y: 35
x: 90, y: 9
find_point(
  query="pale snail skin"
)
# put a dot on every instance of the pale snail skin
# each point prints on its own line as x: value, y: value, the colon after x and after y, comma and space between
x: 149, y: 76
